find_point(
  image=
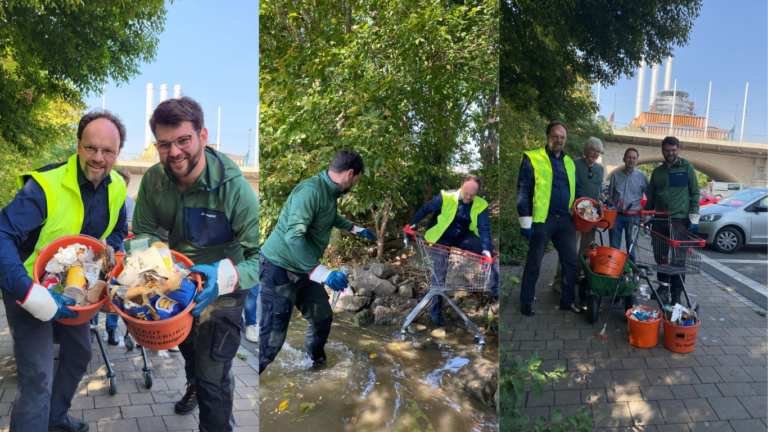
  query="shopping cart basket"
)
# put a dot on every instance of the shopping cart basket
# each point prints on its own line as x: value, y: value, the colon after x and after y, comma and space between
x: 667, y: 248
x: 449, y: 269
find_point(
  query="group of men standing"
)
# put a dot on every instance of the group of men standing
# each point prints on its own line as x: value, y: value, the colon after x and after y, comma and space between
x: 550, y: 181
x: 196, y: 194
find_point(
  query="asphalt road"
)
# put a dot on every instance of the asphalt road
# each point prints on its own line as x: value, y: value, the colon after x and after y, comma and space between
x: 745, y: 270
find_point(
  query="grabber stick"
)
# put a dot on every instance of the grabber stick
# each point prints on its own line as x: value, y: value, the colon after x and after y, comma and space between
x: 615, y: 293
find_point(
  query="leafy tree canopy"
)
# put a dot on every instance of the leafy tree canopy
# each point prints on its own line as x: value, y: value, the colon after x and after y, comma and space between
x: 62, y: 49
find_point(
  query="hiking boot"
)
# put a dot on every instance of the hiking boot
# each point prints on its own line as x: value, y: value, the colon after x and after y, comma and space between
x: 437, y: 320
x: 188, y: 402
x: 676, y: 298
x: 319, y: 362
x: 112, y: 337
x: 69, y: 425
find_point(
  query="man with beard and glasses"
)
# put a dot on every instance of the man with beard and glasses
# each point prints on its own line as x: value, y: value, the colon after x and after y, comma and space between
x: 211, y: 214
x: 80, y: 196
x: 674, y: 187
x: 290, y: 270
x: 547, y: 186
x: 460, y: 220
x: 628, y: 186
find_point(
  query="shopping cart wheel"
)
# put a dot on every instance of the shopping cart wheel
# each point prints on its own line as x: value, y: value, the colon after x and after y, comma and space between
x: 593, y: 308
x: 583, y: 289
x: 148, y: 379
x: 112, y: 386
x: 129, y: 344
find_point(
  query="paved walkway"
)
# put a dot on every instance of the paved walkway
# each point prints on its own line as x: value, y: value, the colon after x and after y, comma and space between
x: 135, y: 408
x: 720, y: 386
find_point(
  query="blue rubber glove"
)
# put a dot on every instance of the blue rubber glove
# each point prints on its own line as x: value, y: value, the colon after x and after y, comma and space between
x: 47, y: 305
x: 213, y: 286
x: 694, y: 228
x: 527, y: 233
x: 336, y: 281
x: 694, y: 220
x: 62, y: 302
x: 364, y: 232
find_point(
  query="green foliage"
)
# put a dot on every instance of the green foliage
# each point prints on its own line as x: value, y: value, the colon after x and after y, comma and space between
x: 546, y: 47
x: 63, y: 49
x: 14, y: 163
x: 411, y: 85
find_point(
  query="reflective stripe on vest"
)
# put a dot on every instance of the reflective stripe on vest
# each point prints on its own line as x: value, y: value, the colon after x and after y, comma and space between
x: 542, y: 190
x: 448, y: 212
x: 64, y: 204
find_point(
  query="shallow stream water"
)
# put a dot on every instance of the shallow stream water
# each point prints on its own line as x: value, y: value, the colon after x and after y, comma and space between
x: 375, y: 381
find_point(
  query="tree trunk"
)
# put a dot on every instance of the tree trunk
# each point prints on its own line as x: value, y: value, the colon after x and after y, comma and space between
x: 348, y: 18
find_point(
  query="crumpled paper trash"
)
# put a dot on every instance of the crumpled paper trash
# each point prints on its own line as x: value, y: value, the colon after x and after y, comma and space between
x: 64, y: 258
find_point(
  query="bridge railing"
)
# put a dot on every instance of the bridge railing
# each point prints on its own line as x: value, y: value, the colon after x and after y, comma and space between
x: 685, y: 132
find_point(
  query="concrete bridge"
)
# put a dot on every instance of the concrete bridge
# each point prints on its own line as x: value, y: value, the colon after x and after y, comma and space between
x: 725, y: 161
x: 138, y: 168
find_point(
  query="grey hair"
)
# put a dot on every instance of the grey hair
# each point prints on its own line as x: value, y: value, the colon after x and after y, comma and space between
x: 591, y: 143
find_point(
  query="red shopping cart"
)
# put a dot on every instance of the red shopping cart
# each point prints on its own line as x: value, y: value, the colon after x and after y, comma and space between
x: 449, y: 269
x: 666, y: 248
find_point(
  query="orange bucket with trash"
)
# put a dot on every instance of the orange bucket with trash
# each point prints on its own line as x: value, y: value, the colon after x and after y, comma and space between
x: 84, y: 313
x: 680, y: 339
x: 643, y: 334
x: 163, y: 334
x: 582, y: 224
x: 609, y: 218
x: 108, y: 308
x: 609, y: 261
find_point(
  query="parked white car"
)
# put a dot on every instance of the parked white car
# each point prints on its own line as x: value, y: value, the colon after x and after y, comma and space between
x: 735, y: 221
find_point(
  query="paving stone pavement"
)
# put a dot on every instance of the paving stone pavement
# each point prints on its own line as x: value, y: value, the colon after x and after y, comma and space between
x: 135, y: 408
x: 720, y: 386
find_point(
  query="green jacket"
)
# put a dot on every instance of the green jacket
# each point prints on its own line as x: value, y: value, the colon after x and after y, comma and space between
x: 675, y: 188
x: 304, y: 228
x: 215, y: 218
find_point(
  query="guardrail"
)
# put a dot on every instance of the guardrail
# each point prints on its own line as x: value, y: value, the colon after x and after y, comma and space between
x: 687, y: 132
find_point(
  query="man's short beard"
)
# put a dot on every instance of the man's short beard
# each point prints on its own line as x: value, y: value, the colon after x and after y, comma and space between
x: 192, y: 161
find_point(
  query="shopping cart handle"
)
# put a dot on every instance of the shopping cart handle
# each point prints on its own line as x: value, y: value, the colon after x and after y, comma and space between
x: 408, y: 230
x: 647, y: 213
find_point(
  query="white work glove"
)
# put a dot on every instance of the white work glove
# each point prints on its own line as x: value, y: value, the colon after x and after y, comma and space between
x: 46, y: 305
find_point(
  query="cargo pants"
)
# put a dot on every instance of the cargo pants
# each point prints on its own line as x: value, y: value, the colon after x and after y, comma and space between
x: 281, y: 290
x: 208, y: 351
x: 44, y: 396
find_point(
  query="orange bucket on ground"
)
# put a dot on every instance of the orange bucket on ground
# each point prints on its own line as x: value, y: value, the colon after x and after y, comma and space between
x: 609, y: 218
x: 643, y: 334
x: 609, y: 261
x: 163, y: 334
x: 680, y: 339
x: 84, y: 313
x: 581, y: 224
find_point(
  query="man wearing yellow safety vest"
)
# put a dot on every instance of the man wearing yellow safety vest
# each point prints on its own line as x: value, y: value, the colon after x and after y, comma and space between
x: 547, y: 186
x: 460, y: 220
x: 80, y: 196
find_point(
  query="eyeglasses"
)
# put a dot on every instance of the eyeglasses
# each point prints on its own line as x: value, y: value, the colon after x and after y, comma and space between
x: 591, y: 172
x: 180, y: 142
x: 90, y: 151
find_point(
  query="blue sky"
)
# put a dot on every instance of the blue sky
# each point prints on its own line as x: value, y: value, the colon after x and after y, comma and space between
x: 211, y: 49
x: 728, y: 46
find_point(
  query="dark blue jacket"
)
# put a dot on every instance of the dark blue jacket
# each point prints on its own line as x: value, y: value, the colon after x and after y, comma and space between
x: 22, y: 220
x: 561, y: 194
x: 461, y: 220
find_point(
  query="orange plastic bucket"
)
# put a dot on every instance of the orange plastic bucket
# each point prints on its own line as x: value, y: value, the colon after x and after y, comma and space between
x: 108, y: 305
x: 609, y: 261
x: 163, y: 334
x: 609, y: 218
x: 591, y: 254
x: 643, y: 334
x: 581, y: 224
x: 84, y: 313
x: 680, y: 339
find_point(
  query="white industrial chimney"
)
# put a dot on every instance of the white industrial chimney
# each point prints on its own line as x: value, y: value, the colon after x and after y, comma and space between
x: 640, y: 89
x: 150, y: 109
x: 177, y: 91
x: 163, y: 92
x: 654, y: 83
x: 668, y: 74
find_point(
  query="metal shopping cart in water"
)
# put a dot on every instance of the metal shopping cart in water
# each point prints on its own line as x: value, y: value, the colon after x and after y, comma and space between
x: 449, y: 269
x: 668, y: 249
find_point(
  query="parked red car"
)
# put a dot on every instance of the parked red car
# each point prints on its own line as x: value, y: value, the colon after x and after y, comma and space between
x: 705, y: 199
